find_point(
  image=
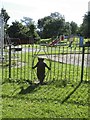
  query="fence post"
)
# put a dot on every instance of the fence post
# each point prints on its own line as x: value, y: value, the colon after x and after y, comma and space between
x: 9, y: 60
x: 82, y: 67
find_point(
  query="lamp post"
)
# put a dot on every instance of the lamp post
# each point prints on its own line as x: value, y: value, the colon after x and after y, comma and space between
x: 1, y: 35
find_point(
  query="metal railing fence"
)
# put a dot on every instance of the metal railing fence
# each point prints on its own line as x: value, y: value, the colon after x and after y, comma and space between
x: 70, y: 64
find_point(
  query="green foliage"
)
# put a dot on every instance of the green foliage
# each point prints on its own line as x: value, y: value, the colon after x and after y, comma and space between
x: 27, y: 21
x: 5, y: 15
x: 52, y: 25
x: 85, y: 26
x: 18, y: 30
x: 74, y: 28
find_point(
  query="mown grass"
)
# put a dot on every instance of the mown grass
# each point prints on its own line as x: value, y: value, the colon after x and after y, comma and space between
x: 44, y: 101
x: 23, y: 100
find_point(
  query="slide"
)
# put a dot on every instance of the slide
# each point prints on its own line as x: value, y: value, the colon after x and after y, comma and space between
x: 54, y: 42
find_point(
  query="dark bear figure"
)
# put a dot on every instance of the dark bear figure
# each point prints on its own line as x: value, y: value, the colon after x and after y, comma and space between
x: 41, y: 69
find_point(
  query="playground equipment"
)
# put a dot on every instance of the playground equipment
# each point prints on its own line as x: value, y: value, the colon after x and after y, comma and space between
x: 69, y: 41
x: 81, y: 41
x: 56, y: 41
x: 75, y: 41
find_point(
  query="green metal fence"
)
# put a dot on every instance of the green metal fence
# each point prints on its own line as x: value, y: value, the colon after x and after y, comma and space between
x: 69, y: 64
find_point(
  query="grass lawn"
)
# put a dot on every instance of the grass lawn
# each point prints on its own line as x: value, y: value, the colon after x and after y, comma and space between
x: 36, y: 101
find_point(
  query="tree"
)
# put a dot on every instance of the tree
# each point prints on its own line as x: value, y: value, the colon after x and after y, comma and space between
x: 17, y: 30
x: 74, y: 28
x: 27, y: 21
x: 42, y: 22
x: 30, y: 24
x: 56, y: 15
x: 88, y: 35
x: 5, y: 15
x: 67, y: 29
x: 52, y: 25
x: 85, y: 26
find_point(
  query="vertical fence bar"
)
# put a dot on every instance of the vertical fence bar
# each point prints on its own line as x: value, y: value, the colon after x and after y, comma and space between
x: 74, y: 62
x: 32, y: 60
x: 2, y: 62
x: 51, y: 66
x: 28, y: 61
x: 21, y: 63
x: 86, y: 54
x: 88, y: 67
x: 9, y: 60
x: 62, y: 63
x: 47, y: 53
x: 82, y: 67
x: 24, y: 60
x: 6, y: 68
x: 70, y: 64
x: 77, y: 65
x: 66, y: 64
x: 54, y: 60
x: 58, y: 63
x: 15, y: 63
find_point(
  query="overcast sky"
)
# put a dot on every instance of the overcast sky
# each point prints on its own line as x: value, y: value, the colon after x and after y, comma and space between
x: 73, y: 10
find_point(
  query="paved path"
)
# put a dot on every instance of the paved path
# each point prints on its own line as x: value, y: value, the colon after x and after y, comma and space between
x: 75, y: 59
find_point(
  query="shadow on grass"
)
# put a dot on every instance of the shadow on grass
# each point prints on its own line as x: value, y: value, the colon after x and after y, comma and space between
x: 29, y: 89
x: 33, y: 88
x: 71, y: 93
x: 78, y: 103
x: 46, y: 100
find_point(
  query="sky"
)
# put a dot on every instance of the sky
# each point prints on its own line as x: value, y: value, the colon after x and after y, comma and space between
x: 73, y: 10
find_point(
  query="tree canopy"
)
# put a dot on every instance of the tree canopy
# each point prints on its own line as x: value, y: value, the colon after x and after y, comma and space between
x: 5, y: 15
x: 50, y: 26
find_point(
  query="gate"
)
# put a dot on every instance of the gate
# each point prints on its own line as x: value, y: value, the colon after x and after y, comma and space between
x: 68, y: 64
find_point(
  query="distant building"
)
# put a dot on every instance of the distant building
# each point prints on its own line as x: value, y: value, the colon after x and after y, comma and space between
x: 17, y: 41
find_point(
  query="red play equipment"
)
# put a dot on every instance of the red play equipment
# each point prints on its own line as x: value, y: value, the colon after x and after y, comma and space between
x: 56, y: 41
